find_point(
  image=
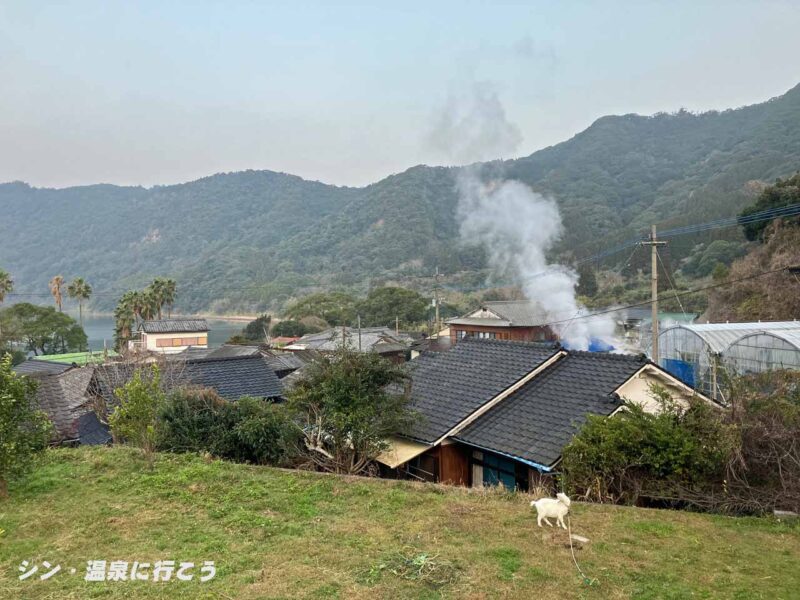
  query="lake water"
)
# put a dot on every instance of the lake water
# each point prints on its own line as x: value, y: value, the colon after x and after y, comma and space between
x: 101, y: 328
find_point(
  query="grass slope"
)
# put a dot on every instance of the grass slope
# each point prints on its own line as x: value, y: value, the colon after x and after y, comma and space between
x: 279, y: 534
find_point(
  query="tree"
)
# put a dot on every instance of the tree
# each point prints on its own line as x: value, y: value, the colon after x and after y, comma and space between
x: 135, y: 417
x: 81, y: 291
x: 335, y: 308
x: 55, y: 289
x: 24, y: 430
x: 383, y: 305
x: 257, y: 330
x: 587, y: 281
x: 161, y: 292
x: 291, y: 328
x: 42, y: 329
x: 783, y: 193
x: 6, y: 285
x: 345, y: 412
x: 124, y: 320
x: 169, y: 293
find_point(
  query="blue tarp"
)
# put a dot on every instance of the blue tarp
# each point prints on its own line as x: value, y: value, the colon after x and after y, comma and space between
x: 681, y: 369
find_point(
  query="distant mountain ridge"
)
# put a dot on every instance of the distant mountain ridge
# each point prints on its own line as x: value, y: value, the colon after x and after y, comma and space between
x: 253, y: 239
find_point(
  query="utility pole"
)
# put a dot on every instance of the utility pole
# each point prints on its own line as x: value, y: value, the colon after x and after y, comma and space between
x: 654, y: 244
x: 437, y: 326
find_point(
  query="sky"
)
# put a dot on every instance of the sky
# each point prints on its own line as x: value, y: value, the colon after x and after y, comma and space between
x: 150, y: 93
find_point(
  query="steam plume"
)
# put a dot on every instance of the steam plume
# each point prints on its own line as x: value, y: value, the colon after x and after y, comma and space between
x: 516, y: 225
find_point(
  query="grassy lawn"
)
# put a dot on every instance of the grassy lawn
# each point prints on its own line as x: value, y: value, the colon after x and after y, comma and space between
x: 278, y: 534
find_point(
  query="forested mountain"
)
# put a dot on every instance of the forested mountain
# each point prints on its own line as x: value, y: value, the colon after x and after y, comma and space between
x: 251, y: 240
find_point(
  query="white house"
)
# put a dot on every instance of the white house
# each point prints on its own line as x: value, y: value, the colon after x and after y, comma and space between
x: 172, y: 335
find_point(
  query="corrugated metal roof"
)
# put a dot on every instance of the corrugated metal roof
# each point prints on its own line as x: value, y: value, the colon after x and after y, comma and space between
x: 719, y: 336
x: 790, y: 336
x: 174, y: 326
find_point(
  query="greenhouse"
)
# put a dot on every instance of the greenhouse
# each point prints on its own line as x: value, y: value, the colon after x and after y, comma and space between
x: 704, y: 355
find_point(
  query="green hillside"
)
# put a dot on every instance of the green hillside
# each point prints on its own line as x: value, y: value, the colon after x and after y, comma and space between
x: 250, y: 240
x: 284, y: 534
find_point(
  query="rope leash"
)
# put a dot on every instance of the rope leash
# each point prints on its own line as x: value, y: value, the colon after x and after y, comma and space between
x: 586, y: 579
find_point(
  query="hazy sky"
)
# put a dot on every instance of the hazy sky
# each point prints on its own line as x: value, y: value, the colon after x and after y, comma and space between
x: 162, y: 92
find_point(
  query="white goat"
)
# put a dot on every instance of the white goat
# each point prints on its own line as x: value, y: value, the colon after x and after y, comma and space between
x: 555, y: 508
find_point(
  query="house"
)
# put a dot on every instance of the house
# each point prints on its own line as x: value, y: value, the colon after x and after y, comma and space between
x: 381, y: 340
x: 500, y: 411
x: 62, y: 395
x: 230, y: 373
x: 519, y: 320
x: 171, y: 335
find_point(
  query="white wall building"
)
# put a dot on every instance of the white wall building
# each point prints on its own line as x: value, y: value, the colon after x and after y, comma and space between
x: 172, y: 335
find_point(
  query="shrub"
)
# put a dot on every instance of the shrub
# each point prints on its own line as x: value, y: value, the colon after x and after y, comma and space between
x: 636, y: 453
x: 348, y: 405
x: 248, y: 430
x: 135, y: 417
x: 24, y: 431
x: 190, y: 420
x: 258, y: 432
x: 764, y: 472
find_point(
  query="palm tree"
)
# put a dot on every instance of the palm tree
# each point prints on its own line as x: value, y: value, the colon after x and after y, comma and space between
x: 55, y: 289
x: 163, y: 291
x: 6, y: 285
x: 169, y: 293
x: 125, y: 318
x: 156, y: 290
x: 81, y: 291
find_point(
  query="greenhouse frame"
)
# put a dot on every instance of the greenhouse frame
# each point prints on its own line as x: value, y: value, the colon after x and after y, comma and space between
x: 706, y: 355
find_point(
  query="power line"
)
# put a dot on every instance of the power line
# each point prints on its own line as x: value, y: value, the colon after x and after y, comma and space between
x: 677, y: 295
x: 765, y: 215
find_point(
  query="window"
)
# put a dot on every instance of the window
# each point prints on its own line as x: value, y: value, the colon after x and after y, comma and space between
x: 202, y: 340
x: 161, y: 343
x: 461, y: 334
x: 485, y: 335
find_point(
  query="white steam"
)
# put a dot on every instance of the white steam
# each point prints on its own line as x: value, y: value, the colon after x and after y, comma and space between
x: 516, y: 225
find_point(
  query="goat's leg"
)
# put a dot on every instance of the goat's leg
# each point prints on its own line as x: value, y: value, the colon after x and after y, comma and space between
x: 548, y: 522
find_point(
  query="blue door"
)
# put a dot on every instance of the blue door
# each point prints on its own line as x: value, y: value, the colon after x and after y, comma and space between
x: 497, y: 469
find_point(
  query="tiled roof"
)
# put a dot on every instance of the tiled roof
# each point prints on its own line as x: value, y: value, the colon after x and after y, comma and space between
x: 63, y: 398
x: 224, y: 351
x: 31, y: 366
x: 449, y: 386
x: 174, y: 326
x: 91, y: 431
x: 235, y: 377
x: 538, y: 420
x: 232, y: 377
x: 521, y: 313
x: 331, y: 339
x: 284, y: 362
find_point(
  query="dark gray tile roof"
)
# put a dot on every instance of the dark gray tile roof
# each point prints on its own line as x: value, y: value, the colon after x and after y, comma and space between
x: 174, y: 326
x: 237, y: 376
x: 538, y: 420
x: 284, y: 363
x: 330, y: 340
x: 91, y: 431
x: 232, y: 377
x: 449, y: 386
x: 63, y: 397
x: 31, y: 366
x: 521, y: 313
x: 224, y: 351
